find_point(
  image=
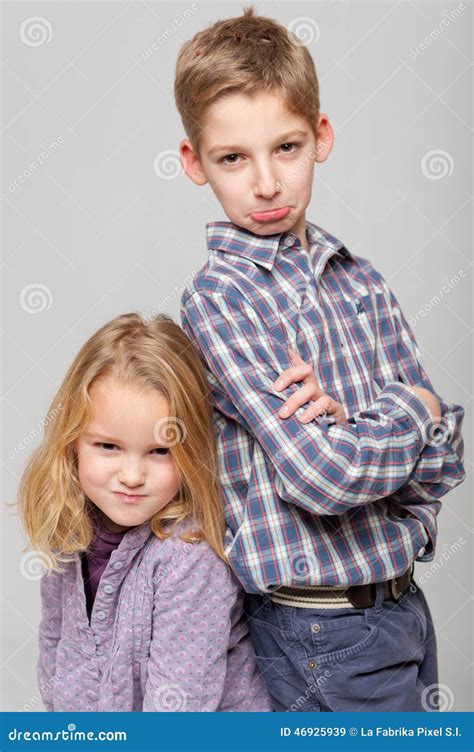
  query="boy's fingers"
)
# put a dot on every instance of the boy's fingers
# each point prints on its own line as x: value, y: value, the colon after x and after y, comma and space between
x: 324, y: 404
x: 298, y: 399
x: 295, y: 373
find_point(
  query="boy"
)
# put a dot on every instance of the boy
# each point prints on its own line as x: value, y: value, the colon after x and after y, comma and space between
x: 326, y: 515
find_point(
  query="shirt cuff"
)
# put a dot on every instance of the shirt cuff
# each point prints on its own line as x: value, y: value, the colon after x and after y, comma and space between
x: 411, y: 404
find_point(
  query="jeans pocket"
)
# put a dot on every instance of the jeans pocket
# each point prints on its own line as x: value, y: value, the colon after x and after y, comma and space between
x: 412, y: 602
x: 341, y: 637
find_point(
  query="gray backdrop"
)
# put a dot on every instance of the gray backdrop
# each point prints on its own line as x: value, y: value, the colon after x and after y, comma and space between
x: 99, y: 220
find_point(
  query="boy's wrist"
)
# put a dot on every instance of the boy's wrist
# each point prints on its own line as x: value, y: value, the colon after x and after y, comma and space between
x: 412, y: 404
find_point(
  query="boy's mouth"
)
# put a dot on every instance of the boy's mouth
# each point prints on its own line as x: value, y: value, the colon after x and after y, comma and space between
x: 270, y: 216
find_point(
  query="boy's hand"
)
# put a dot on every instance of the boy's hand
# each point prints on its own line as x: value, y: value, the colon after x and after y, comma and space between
x: 311, y: 391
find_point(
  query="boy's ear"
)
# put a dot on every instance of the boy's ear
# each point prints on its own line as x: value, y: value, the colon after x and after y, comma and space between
x: 325, y: 138
x: 191, y: 164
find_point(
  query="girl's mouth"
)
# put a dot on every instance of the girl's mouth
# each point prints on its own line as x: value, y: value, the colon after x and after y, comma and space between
x: 129, y: 497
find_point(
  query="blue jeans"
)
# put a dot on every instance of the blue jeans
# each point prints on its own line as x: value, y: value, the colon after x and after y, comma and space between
x: 381, y: 658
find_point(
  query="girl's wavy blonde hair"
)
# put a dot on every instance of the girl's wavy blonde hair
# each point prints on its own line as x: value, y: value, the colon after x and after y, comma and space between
x: 157, y: 355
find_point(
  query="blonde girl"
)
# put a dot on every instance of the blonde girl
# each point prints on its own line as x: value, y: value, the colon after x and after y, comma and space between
x: 140, y: 611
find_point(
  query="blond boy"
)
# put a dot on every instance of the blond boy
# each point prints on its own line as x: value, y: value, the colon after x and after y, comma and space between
x: 329, y: 506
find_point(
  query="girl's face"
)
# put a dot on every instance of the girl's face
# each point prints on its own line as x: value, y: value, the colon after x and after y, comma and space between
x: 124, y: 464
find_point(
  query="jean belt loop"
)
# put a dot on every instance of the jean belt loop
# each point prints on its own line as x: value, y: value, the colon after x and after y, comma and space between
x: 379, y: 596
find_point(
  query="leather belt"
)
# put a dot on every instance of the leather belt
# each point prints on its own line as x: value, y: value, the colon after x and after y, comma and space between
x: 359, y: 596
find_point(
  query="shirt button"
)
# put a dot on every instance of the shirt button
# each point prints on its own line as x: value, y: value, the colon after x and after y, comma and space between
x: 97, y: 639
x: 108, y: 589
x: 421, y: 552
x: 100, y: 615
x: 315, y: 628
x: 289, y: 241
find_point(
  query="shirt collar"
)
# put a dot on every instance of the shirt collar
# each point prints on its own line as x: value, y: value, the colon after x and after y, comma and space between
x: 262, y: 249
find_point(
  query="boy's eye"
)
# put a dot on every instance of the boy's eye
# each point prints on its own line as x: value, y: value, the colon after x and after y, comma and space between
x: 228, y: 156
x: 292, y: 147
x: 289, y: 144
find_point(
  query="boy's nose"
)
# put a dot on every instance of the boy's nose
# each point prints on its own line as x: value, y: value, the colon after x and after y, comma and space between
x: 266, y: 184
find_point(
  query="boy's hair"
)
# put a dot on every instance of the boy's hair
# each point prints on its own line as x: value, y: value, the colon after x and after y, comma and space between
x: 147, y: 355
x: 245, y: 55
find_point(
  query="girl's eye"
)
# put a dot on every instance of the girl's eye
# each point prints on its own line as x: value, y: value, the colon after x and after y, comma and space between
x: 160, y: 451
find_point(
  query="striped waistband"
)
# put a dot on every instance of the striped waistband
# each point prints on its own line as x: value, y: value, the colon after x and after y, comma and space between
x: 324, y: 598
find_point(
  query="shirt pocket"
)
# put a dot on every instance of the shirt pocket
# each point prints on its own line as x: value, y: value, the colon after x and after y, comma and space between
x: 368, y: 336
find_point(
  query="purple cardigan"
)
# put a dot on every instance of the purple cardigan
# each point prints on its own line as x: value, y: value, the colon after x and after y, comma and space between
x: 167, y: 633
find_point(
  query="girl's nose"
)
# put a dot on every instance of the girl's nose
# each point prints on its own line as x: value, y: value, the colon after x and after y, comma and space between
x: 131, y: 474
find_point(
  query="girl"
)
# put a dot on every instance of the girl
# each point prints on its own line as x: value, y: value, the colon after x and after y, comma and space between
x: 140, y: 611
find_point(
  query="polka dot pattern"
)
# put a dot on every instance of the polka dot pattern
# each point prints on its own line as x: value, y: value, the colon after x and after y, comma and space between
x: 167, y: 634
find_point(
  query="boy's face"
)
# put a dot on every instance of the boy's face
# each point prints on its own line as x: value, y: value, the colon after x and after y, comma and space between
x: 259, y: 157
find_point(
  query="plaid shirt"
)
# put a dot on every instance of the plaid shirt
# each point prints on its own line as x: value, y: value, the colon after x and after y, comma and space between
x: 317, y: 503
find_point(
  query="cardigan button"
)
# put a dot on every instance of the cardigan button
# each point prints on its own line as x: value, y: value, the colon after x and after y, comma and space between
x: 100, y: 615
x: 91, y: 694
x: 108, y: 589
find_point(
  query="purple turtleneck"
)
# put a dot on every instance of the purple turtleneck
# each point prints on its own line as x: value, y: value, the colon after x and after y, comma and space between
x: 95, y: 560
